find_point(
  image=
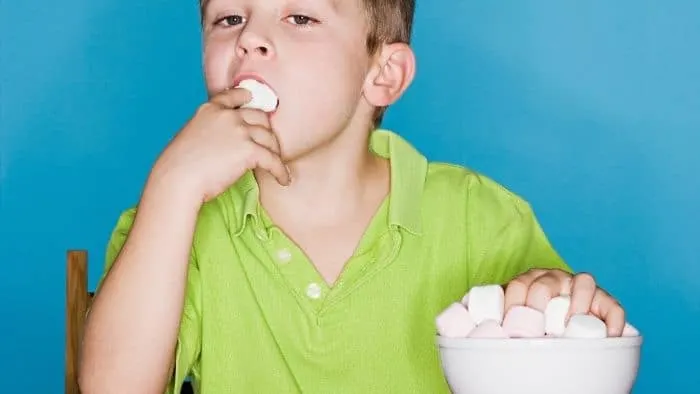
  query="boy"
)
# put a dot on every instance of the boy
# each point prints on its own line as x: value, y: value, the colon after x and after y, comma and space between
x: 305, y: 251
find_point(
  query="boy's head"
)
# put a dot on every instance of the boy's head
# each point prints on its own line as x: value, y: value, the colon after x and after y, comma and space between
x: 334, y: 64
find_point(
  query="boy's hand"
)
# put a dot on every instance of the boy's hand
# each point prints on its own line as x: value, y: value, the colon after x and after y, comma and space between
x: 536, y: 287
x: 220, y: 143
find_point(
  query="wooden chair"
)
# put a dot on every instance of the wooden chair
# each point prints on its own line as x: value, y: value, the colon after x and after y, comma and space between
x: 78, y: 301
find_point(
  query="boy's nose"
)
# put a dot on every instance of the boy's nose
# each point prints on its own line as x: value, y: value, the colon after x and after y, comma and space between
x: 252, y: 44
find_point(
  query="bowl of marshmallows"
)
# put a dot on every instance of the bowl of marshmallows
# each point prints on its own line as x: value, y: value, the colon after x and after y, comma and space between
x: 486, y: 350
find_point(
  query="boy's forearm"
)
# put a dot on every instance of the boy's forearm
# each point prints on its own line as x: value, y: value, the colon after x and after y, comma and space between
x: 132, y: 328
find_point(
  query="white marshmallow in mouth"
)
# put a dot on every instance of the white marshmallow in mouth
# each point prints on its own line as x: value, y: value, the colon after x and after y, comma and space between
x: 263, y: 99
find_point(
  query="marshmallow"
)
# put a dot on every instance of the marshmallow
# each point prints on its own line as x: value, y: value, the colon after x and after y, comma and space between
x: 630, y: 331
x: 454, y: 322
x: 486, y: 303
x: 524, y: 322
x: 465, y: 300
x: 585, y: 326
x: 488, y: 329
x: 555, y: 315
x: 263, y: 97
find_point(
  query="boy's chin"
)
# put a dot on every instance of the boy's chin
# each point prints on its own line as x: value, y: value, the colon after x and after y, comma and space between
x: 293, y: 154
x: 294, y: 151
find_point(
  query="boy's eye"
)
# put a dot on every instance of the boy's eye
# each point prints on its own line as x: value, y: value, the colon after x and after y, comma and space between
x: 301, y: 20
x: 230, y: 20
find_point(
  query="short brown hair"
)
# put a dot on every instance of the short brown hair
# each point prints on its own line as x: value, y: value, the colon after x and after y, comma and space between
x: 390, y: 21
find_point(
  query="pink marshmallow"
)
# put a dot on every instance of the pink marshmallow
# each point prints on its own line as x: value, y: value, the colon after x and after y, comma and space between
x: 454, y: 322
x: 488, y: 329
x: 465, y: 299
x: 524, y: 322
x: 630, y: 331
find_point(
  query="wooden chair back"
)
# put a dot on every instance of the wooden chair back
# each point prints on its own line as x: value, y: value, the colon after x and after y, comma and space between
x: 78, y: 301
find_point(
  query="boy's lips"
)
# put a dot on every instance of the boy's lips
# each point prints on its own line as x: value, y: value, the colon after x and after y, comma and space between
x: 244, y: 76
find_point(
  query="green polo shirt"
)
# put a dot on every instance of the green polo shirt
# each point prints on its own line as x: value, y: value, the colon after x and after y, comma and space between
x: 258, y: 318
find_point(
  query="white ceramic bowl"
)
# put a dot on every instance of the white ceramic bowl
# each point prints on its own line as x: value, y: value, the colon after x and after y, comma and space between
x: 540, y: 365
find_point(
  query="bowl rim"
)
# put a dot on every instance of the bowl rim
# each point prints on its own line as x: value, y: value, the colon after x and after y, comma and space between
x: 540, y: 343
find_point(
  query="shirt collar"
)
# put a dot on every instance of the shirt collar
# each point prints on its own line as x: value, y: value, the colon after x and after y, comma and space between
x: 408, y: 169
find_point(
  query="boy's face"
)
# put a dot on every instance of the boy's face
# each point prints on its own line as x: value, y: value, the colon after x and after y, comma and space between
x: 312, y: 53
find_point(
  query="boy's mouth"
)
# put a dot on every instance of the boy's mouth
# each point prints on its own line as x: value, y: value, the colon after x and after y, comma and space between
x: 267, y: 91
x: 256, y: 77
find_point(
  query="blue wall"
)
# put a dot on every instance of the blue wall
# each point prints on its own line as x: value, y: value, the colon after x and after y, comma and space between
x: 590, y: 111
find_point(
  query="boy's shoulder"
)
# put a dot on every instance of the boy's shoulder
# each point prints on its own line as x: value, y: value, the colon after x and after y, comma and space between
x: 212, y: 211
x: 435, y: 178
x: 222, y: 213
x: 452, y: 183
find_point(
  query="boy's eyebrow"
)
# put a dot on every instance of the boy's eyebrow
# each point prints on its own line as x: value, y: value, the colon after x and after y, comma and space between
x: 334, y: 5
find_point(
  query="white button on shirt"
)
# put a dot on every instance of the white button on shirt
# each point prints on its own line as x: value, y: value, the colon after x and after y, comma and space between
x: 313, y: 291
x: 284, y: 255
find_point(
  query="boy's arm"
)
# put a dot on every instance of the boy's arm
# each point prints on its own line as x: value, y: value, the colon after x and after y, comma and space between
x: 188, y: 347
x: 131, y: 333
x: 506, y: 239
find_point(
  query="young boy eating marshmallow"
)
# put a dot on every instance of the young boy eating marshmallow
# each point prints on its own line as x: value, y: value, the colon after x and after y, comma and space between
x: 301, y: 248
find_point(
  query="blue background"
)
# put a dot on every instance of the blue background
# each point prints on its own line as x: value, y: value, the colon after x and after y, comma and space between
x: 591, y: 111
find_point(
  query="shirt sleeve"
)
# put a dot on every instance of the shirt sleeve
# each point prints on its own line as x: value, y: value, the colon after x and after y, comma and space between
x: 505, y: 238
x: 188, y: 346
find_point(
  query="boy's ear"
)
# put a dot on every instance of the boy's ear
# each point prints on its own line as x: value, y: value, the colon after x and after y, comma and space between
x: 391, y: 74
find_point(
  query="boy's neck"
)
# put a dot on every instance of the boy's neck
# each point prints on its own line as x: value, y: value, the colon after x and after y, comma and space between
x: 329, y: 186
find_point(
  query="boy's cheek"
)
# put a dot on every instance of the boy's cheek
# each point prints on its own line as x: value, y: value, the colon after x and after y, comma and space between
x: 217, y: 68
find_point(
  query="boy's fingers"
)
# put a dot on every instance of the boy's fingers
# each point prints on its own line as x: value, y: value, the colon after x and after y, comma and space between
x: 610, y: 311
x: 517, y: 289
x: 255, y: 117
x: 583, y: 288
x: 232, y: 98
x: 542, y: 290
x: 271, y: 162
x: 264, y: 137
